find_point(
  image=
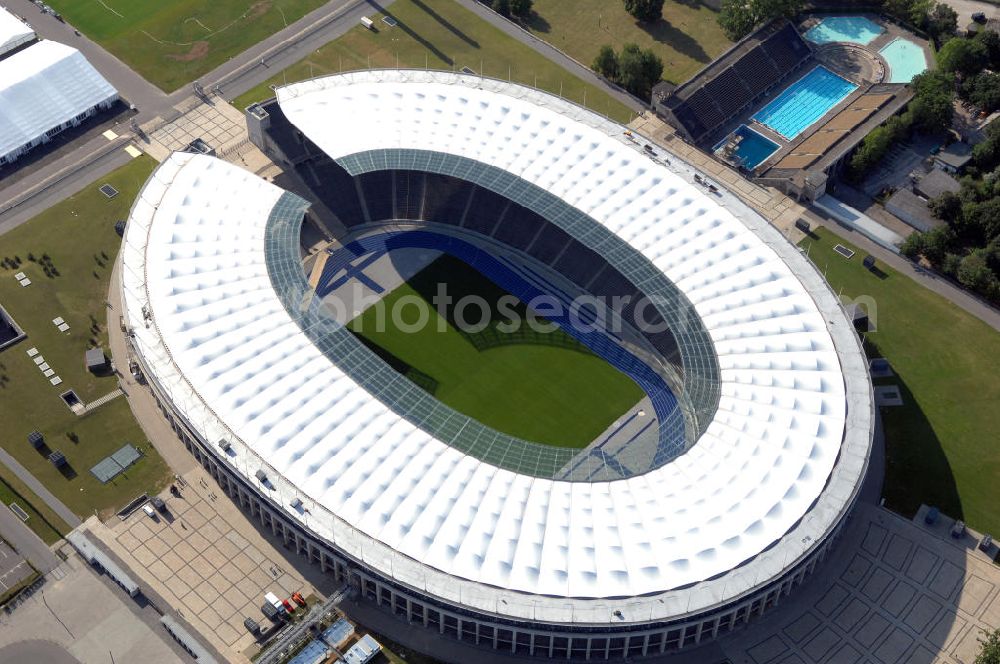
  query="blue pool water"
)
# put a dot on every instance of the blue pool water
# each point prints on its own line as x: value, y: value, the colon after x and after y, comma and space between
x: 905, y: 60
x: 753, y: 148
x: 804, y: 102
x: 854, y: 29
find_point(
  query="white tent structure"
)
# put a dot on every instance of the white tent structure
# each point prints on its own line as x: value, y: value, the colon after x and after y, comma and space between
x: 13, y: 32
x: 44, y: 89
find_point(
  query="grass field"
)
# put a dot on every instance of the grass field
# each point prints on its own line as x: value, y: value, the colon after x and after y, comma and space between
x: 687, y: 38
x: 441, y: 34
x: 46, y: 525
x: 79, y: 238
x: 941, y: 445
x: 172, y: 43
x: 553, y: 393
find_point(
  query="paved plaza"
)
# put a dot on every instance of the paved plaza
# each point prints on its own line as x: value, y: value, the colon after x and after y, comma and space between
x: 892, y: 593
x: 206, y: 560
x: 77, y: 615
x: 217, y: 123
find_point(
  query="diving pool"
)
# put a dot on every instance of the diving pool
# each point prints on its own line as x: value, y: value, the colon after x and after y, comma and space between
x: 753, y: 148
x: 804, y: 102
x: 853, y: 29
x: 905, y: 60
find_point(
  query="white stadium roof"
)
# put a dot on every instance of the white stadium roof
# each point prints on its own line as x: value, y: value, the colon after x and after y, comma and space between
x: 774, y: 473
x: 44, y: 86
x: 13, y: 32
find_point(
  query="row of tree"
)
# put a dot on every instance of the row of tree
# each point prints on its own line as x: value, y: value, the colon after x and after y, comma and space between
x: 634, y: 69
x: 739, y: 18
x: 509, y: 8
x: 930, y: 111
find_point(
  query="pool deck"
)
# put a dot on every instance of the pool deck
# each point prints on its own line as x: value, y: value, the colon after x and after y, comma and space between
x: 862, y: 65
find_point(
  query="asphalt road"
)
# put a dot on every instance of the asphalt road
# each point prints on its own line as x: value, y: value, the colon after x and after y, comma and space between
x: 26, y: 542
x: 966, y: 8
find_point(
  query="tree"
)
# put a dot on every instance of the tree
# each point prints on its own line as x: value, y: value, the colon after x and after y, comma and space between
x: 501, y: 7
x: 606, y: 63
x: 973, y: 272
x: 736, y: 20
x: 931, y: 109
x: 947, y: 206
x: 991, y: 41
x: 521, y: 8
x: 937, y: 242
x: 943, y: 21
x: 645, y: 11
x: 983, y: 90
x: 638, y: 70
x: 913, y: 245
x: 964, y: 56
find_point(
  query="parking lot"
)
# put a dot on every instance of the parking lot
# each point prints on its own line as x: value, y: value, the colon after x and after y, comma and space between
x: 14, y: 569
x: 206, y: 560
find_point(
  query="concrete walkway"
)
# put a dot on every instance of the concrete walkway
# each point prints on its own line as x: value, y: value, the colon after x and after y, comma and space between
x: 552, y: 53
x: 56, y: 505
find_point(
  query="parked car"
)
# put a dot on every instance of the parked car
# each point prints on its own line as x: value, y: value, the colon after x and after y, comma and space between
x: 299, y: 599
x: 289, y: 607
x: 160, y: 505
x: 958, y: 530
x: 979, y: 17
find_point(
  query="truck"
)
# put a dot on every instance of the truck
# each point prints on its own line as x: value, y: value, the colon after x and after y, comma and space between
x: 368, y: 23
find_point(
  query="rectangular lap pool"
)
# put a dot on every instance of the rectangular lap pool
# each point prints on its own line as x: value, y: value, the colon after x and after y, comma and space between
x: 805, y: 102
x: 753, y: 148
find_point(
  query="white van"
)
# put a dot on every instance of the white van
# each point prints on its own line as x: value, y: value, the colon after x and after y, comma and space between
x: 368, y: 23
x: 149, y: 511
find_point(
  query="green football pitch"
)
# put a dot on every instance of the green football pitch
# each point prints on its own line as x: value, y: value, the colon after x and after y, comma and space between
x: 543, y: 387
x: 174, y: 42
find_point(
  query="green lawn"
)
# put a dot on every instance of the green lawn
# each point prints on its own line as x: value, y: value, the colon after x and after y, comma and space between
x: 941, y: 446
x: 551, y: 391
x: 441, y: 34
x: 45, y: 524
x: 79, y: 238
x: 687, y: 38
x: 173, y: 42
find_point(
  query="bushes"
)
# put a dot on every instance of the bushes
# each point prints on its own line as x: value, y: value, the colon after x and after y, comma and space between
x: 634, y: 69
x: 739, y: 17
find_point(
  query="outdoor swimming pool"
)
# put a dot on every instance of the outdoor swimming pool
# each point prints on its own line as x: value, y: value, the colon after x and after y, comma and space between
x: 805, y: 102
x: 905, y: 60
x: 854, y: 29
x: 753, y: 148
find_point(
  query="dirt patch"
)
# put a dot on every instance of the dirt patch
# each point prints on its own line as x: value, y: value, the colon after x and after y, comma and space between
x: 258, y: 8
x: 199, y: 50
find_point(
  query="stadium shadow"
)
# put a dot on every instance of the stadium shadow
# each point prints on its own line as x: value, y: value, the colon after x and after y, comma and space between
x: 416, y: 37
x: 917, y: 469
x: 447, y: 25
x: 665, y: 33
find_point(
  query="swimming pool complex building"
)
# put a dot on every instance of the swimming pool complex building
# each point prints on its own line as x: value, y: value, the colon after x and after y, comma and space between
x: 763, y: 405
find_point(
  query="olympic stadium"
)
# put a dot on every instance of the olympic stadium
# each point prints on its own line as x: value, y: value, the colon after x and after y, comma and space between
x: 746, y: 411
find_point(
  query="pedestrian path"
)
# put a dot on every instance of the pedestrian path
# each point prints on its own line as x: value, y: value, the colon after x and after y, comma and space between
x: 57, y: 506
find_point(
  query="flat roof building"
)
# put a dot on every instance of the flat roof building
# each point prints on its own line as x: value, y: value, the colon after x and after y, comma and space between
x: 45, y: 89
